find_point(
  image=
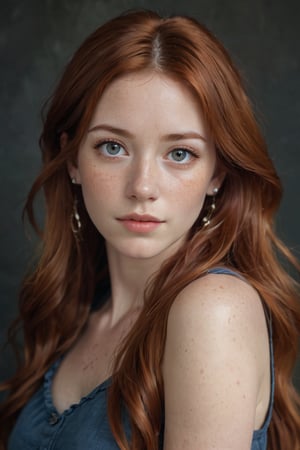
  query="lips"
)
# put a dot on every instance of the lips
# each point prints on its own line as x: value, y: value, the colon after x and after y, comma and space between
x: 140, y: 218
x: 140, y: 223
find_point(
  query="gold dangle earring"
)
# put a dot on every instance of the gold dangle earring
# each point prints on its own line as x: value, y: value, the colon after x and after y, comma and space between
x: 75, y: 217
x: 212, y: 207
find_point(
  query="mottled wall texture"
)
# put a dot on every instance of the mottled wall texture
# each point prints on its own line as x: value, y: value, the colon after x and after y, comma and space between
x: 37, y: 37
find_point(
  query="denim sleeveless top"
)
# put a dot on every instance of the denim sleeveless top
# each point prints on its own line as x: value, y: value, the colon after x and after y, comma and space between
x: 85, y: 425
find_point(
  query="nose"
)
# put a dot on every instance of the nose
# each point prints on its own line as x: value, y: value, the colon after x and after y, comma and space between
x: 143, y: 181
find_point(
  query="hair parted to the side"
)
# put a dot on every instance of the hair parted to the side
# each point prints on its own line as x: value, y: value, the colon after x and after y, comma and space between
x: 55, y: 298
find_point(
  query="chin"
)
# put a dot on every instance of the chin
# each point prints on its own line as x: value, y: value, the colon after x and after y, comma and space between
x: 141, y: 254
x: 139, y: 251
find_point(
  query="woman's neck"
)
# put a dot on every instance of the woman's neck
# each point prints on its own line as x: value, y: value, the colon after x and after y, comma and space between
x: 129, y: 278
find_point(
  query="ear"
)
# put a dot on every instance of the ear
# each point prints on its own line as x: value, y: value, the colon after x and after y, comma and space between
x: 216, y: 182
x: 72, y: 167
x: 73, y: 172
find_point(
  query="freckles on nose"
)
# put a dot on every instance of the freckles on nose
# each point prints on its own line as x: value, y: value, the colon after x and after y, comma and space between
x: 143, y: 181
x: 140, y: 184
x: 141, y: 172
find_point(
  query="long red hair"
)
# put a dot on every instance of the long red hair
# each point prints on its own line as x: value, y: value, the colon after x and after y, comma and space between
x: 55, y: 298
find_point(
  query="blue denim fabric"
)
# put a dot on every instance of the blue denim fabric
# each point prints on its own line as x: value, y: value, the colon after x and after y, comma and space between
x: 85, y: 425
x: 82, y: 426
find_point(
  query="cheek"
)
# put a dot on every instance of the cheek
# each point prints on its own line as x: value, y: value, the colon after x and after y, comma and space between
x: 190, y: 207
x: 98, y: 183
x: 190, y: 193
x: 190, y: 200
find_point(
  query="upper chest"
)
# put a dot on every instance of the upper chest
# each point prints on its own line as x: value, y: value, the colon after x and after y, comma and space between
x: 89, y: 362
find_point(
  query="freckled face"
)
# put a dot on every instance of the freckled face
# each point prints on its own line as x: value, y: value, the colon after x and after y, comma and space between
x: 145, y: 165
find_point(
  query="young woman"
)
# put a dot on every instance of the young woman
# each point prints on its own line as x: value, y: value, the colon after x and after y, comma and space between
x: 157, y: 315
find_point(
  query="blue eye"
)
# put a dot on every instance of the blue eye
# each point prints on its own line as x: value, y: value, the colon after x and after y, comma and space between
x: 110, y: 148
x: 180, y: 155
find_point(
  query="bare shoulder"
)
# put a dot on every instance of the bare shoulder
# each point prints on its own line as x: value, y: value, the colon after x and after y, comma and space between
x: 217, y: 353
x: 219, y: 315
x: 219, y: 299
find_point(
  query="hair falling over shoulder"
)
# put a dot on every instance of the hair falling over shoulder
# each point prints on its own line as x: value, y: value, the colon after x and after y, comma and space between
x: 55, y: 298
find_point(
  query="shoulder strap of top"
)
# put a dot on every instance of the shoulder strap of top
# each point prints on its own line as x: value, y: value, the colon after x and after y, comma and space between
x: 225, y: 271
x: 268, y: 315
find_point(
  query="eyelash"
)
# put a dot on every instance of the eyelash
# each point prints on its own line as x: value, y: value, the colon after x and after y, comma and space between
x: 192, y: 153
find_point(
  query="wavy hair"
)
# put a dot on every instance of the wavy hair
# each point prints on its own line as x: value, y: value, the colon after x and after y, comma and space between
x: 55, y: 298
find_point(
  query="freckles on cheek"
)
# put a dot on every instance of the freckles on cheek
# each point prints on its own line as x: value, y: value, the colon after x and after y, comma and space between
x: 191, y: 188
x: 98, y: 180
x: 190, y: 194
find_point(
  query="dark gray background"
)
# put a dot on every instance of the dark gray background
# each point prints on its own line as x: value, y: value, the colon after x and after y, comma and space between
x: 37, y: 38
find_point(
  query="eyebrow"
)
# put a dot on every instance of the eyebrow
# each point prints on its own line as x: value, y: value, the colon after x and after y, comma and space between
x: 167, y: 137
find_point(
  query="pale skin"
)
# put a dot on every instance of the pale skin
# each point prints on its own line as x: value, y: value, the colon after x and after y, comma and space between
x: 148, y: 151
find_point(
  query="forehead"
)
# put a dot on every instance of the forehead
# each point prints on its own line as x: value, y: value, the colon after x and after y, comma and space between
x: 147, y: 97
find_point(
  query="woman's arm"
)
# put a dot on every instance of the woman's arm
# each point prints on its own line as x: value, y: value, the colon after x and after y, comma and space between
x: 216, y: 364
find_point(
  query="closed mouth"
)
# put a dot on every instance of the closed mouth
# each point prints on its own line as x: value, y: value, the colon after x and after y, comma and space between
x: 140, y: 218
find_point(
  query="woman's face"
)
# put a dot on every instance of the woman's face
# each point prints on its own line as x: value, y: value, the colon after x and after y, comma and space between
x: 146, y: 165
